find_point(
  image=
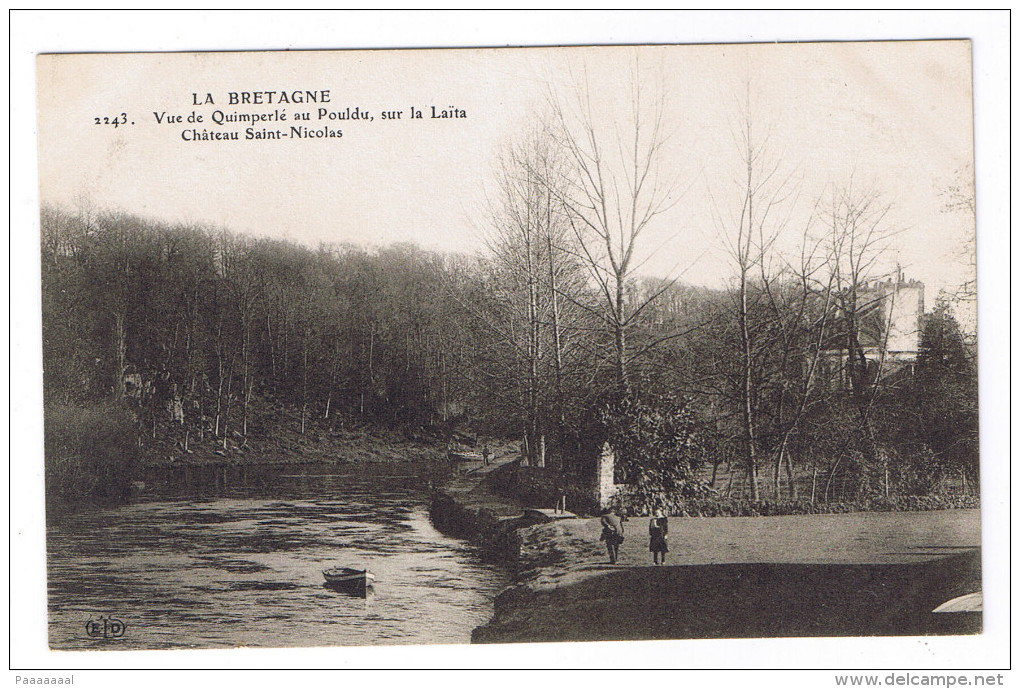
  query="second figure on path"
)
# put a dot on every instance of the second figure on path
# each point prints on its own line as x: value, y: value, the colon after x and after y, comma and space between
x: 658, y: 533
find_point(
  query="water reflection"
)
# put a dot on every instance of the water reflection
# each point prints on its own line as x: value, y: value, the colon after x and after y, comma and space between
x: 365, y: 592
x: 241, y: 564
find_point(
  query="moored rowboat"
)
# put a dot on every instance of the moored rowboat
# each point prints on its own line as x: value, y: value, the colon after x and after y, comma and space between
x: 348, y: 577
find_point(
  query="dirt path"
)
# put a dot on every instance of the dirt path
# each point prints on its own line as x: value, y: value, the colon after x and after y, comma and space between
x: 469, y: 490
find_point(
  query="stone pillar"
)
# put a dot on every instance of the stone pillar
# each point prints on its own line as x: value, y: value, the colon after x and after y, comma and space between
x: 605, y: 486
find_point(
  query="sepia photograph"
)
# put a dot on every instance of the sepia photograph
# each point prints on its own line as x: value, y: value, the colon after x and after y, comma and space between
x: 451, y: 346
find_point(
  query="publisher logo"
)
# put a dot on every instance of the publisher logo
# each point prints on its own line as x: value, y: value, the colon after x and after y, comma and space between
x: 105, y: 628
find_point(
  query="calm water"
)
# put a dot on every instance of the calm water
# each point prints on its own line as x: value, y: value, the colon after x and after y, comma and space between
x: 242, y: 566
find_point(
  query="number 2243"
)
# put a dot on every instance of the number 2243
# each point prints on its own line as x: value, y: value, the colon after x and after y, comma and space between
x: 115, y: 121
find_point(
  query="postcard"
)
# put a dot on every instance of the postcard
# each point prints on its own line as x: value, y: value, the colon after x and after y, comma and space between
x: 498, y: 345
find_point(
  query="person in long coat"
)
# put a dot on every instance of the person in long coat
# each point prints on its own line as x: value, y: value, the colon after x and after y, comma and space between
x: 658, y: 538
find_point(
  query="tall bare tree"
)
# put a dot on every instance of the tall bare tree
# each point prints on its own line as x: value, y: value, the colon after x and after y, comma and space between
x: 615, y: 184
x: 859, y: 241
x: 750, y: 237
x: 958, y: 202
x: 529, y: 243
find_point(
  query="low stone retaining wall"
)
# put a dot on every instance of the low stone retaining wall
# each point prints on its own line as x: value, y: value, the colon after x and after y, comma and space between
x: 494, y: 534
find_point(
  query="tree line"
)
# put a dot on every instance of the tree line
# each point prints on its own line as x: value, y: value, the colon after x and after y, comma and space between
x: 554, y: 336
x: 199, y: 331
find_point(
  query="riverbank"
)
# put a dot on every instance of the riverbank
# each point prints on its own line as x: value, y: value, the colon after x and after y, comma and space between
x: 98, y: 456
x: 864, y: 573
x: 283, y: 441
x: 740, y: 600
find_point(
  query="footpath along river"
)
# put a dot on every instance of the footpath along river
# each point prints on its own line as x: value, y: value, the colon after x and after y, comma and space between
x: 224, y: 558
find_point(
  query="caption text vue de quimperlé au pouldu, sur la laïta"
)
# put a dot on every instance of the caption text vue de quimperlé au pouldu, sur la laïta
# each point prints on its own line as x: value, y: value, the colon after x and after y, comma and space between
x: 294, y: 120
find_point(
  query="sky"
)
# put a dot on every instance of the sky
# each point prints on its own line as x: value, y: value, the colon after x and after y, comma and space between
x: 895, y: 117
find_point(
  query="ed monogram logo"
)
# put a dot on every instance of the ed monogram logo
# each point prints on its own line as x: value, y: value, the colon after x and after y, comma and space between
x: 105, y: 628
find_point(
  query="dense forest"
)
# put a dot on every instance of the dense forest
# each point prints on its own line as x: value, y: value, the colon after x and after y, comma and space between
x: 160, y: 338
x: 196, y: 335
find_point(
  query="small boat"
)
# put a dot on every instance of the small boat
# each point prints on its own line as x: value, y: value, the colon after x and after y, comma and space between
x: 348, y: 577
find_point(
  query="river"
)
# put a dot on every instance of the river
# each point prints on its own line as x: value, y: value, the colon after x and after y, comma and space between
x: 230, y: 557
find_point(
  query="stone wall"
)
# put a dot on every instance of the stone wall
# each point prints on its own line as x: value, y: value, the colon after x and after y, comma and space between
x: 605, y: 485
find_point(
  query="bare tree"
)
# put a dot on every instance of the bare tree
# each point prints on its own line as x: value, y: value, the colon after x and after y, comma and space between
x: 958, y: 202
x: 528, y: 241
x: 613, y: 186
x: 750, y: 238
x: 240, y: 276
x: 859, y: 238
x: 802, y: 305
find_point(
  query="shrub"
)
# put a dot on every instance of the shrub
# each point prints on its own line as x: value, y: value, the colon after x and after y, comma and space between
x: 919, y: 474
x: 542, y: 487
x: 729, y: 507
x: 657, y: 448
x: 91, y: 453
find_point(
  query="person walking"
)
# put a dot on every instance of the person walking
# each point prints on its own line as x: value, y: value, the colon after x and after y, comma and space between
x: 612, y: 534
x: 485, y: 455
x: 658, y: 534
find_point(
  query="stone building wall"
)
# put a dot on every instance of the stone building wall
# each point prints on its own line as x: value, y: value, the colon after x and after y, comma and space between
x: 605, y: 485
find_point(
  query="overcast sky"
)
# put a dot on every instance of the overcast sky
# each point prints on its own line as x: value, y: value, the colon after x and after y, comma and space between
x: 895, y: 115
